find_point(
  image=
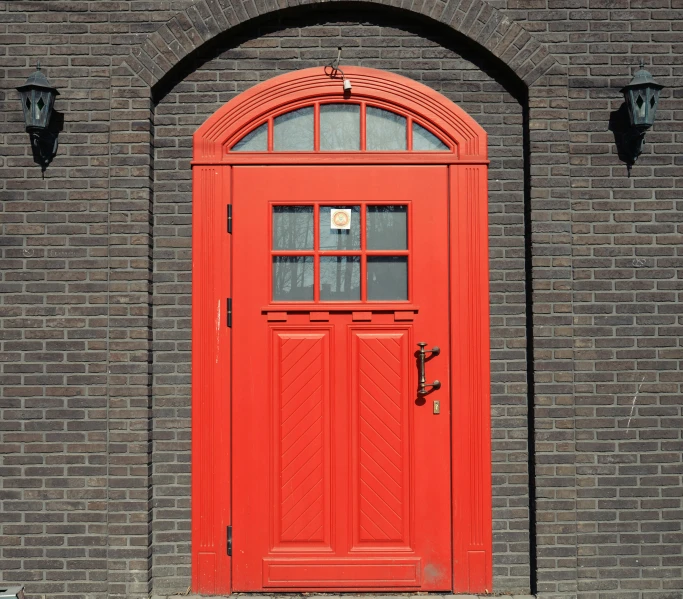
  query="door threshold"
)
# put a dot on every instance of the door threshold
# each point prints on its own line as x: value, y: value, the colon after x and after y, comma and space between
x: 331, y: 595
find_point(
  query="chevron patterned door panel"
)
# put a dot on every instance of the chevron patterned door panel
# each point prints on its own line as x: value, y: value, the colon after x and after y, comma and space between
x: 341, y: 467
x: 381, y: 438
x: 301, y: 437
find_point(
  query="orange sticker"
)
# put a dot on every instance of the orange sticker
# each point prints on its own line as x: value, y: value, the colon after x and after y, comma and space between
x: 340, y: 218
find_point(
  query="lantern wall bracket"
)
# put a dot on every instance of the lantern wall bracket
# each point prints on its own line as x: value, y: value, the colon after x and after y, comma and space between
x: 37, y: 102
x: 636, y: 116
x: 44, y: 145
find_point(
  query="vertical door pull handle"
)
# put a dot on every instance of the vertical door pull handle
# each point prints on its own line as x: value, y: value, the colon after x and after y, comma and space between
x: 423, y: 387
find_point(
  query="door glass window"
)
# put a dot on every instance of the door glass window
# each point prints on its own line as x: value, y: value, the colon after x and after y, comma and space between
x: 350, y: 253
x: 293, y: 227
x: 425, y: 141
x: 293, y: 278
x: 385, y: 130
x: 339, y: 278
x: 340, y: 127
x: 256, y: 141
x: 293, y: 131
x: 339, y: 227
x: 387, y: 227
x: 387, y: 278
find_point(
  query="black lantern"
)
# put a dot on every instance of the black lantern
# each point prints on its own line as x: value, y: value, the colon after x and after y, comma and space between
x: 37, y: 100
x: 642, y: 97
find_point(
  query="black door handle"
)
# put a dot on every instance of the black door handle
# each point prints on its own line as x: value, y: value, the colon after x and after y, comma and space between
x: 423, y: 387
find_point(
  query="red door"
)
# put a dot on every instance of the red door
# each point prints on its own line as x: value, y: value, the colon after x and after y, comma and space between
x: 341, y: 468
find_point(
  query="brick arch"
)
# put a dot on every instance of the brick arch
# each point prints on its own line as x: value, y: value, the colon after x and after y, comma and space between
x: 549, y: 278
x: 190, y: 29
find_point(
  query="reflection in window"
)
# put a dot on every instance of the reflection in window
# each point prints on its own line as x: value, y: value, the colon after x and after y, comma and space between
x: 387, y: 278
x: 340, y: 278
x: 384, y: 130
x: 255, y: 141
x: 292, y: 227
x: 293, y: 278
x: 339, y: 130
x: 426, y: 141
x: 293, y: 131
x: 387, y: 227
x: 340, y: 127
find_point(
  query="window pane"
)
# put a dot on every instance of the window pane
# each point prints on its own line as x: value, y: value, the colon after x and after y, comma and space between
x: 387, y: 228
x: 340, y: 278
x: 293, y: 131
x: 292, y: 227
x: 424, y: 141
x: 387, y: 277
x: 255, y: 141
x: 384, y: 130
x: 340, y: 127
x: 332, y: 237
x: 293, y: 278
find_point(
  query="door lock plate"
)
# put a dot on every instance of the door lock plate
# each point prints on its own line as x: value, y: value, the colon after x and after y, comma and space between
x: 437, y: 407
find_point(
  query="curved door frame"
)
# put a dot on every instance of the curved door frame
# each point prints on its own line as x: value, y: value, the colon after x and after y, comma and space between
x: 469, y: 301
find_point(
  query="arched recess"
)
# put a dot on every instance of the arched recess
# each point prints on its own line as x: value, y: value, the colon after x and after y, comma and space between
x: 139, y: 77
x: 466, y: 161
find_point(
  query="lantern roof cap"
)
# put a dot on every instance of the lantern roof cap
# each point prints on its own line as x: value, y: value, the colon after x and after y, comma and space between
x: 37, y: 80
x: 642, y: 78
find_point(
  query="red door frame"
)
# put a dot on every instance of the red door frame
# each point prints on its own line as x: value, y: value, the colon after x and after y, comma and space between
x: 469, y: 301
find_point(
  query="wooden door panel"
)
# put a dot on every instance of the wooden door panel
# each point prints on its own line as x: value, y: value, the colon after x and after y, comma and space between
x: 381, y: 438
x: 300, y: 391
x: 345, y: 574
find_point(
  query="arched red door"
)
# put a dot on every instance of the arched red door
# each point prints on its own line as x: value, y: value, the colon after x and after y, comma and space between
x: 333, y: 234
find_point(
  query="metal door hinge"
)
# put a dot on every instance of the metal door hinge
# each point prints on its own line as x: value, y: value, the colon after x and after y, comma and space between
x: 229, y: 544
x: 229, y: 302
x: 229, y: 218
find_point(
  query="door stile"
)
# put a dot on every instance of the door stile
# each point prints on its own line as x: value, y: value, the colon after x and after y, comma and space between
x: 211, y: 338
x: 471, y: 403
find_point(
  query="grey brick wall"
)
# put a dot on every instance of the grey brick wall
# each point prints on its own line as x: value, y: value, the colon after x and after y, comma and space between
x: 94, y: 408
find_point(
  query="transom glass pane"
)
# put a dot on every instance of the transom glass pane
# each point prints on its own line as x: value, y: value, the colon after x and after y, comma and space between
x: 293, y: 278
x: 339, y: 227
x: 292, y: 227
x: 387, y: 277
x: 340, y: 278
x: 339, y: 127
x: 293, y: 131
x: 387, y: 228
x: 425, y: 141
x: 255, y: 141
x: 384, y: 130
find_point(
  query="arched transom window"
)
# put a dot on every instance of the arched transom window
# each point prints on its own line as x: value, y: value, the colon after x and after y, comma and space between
x: 341, y: 127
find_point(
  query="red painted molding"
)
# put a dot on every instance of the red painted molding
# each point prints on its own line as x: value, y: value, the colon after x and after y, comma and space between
x: 469, y: 310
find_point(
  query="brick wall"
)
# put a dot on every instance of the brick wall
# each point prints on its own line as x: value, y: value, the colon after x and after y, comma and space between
x: 627, y: 295
x: 95, y: 479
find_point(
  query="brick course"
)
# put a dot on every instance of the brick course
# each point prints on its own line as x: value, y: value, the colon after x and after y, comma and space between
x: 94, y: 312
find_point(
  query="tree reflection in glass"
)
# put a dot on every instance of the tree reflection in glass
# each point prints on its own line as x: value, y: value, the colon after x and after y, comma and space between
x: 292, y: 227
x: 293, y: 278
x: 340, y: 278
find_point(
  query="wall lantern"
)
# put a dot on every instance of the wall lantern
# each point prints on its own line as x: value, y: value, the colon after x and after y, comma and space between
x: 642, y: 97
x: 37, y: 100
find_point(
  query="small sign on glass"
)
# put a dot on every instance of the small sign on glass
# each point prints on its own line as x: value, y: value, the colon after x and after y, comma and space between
x: 340, y: 218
